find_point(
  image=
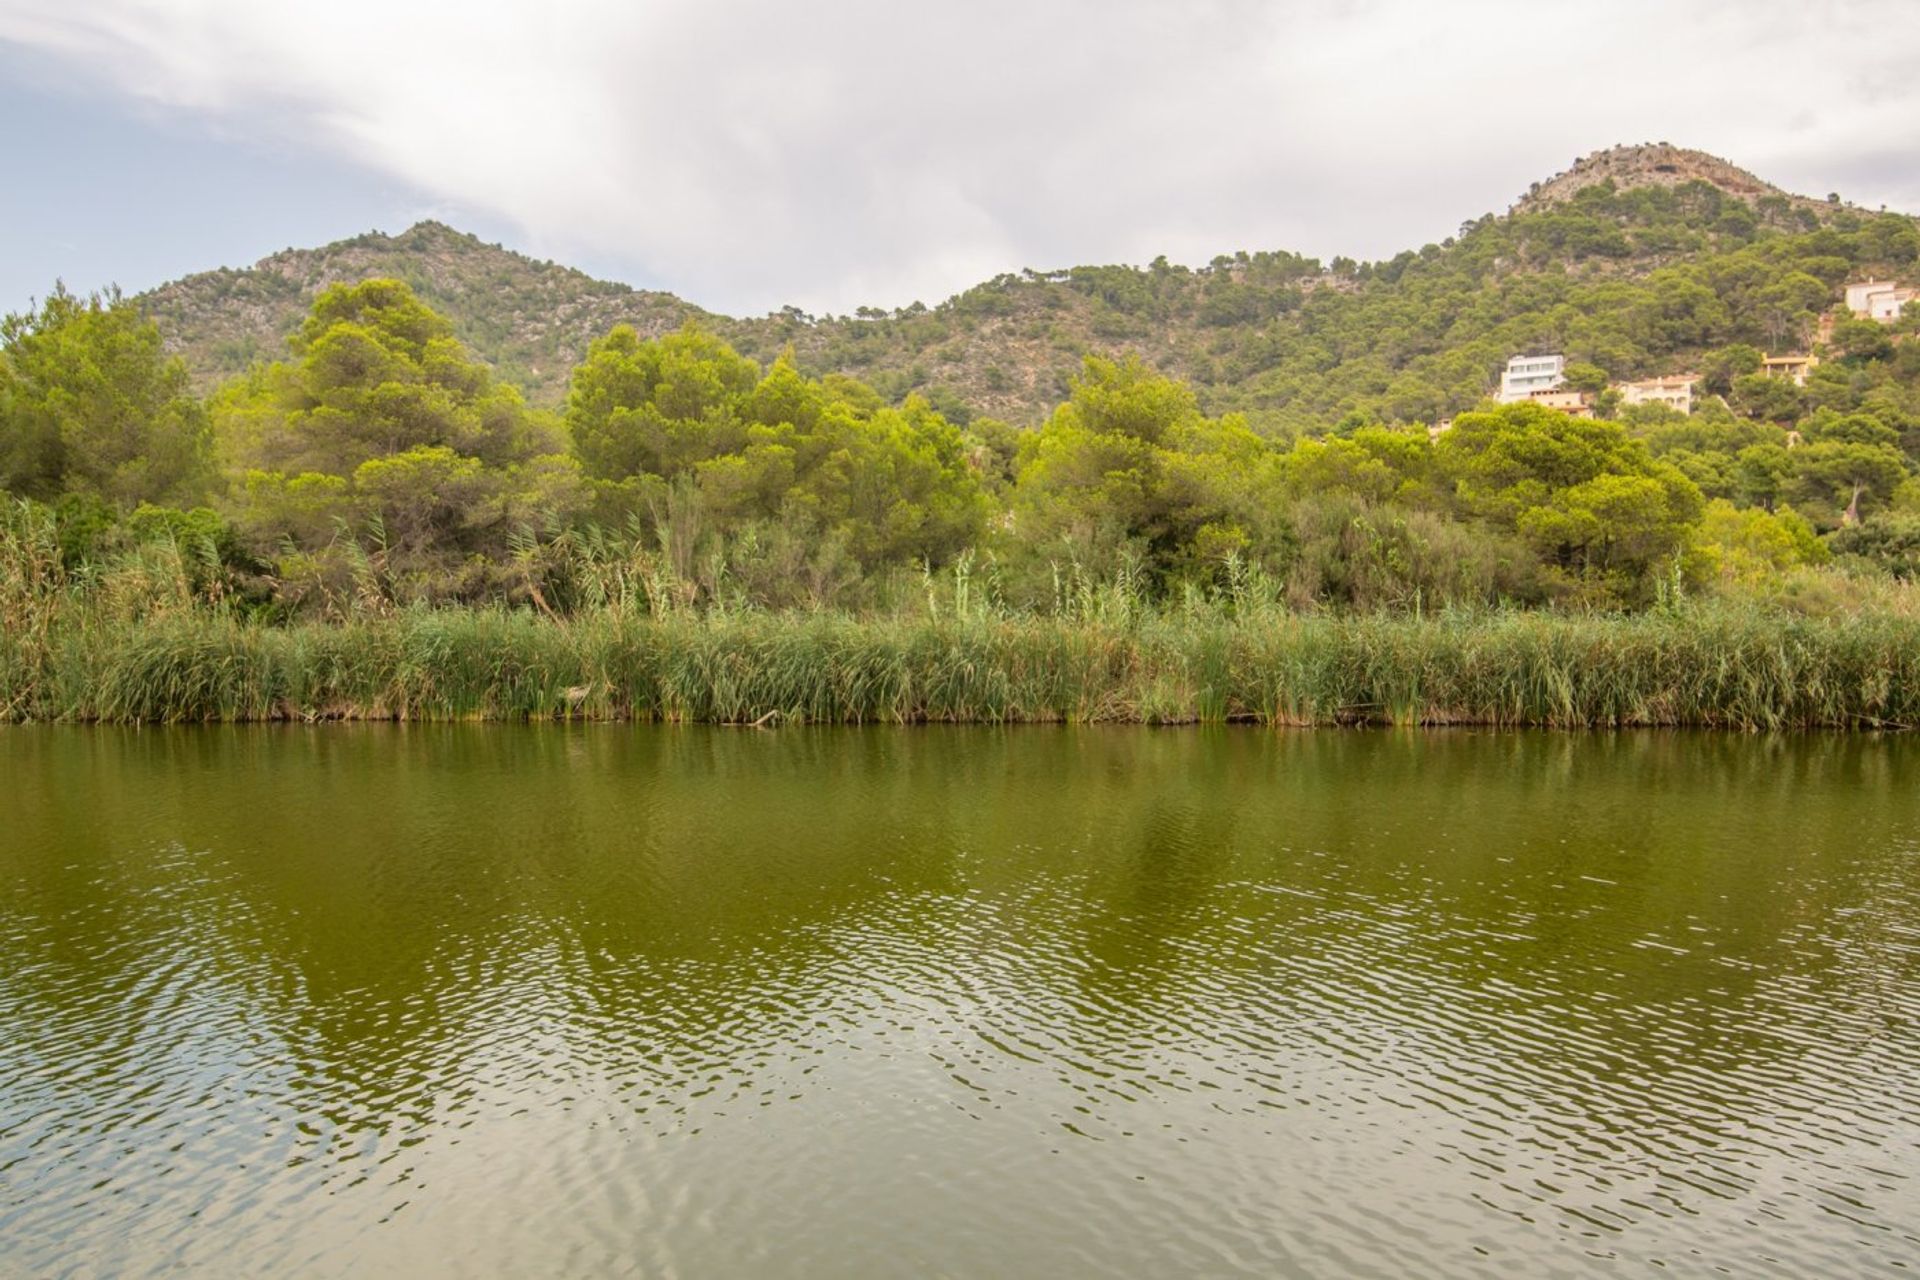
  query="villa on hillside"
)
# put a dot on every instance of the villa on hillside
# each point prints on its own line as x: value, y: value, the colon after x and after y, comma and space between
x: 1674, y: 392
x: 1575, y: 404
x: 1526, y: 375
x: 1793, y: 368
x: 1881, y: 300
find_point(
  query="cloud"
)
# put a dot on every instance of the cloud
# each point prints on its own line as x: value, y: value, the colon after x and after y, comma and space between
x: 749, y: 155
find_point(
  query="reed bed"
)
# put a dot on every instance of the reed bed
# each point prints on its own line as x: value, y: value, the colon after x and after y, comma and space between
x: 1710, y: 665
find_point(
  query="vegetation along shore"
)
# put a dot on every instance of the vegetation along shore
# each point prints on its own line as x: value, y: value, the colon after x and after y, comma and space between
x: 1273, y: 491
x: 1724, y: 670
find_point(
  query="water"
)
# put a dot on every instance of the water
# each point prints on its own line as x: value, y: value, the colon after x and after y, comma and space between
x: 1039, y: 1002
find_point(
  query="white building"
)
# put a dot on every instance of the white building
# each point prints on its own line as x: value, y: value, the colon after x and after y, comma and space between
x: 1527, y: 374
x: 1887, y: 305
x: 1880, y: 300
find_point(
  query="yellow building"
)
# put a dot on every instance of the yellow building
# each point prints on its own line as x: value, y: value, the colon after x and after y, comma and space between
x: 1575, y: 404
x: 1793, y: 368
x: 1675, y: 392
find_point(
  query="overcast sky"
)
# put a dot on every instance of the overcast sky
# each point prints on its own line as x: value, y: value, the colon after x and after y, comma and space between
x: 827, y: 154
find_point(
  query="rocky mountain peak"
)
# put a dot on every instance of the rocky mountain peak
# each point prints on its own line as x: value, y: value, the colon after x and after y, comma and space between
x: 1649, y: 164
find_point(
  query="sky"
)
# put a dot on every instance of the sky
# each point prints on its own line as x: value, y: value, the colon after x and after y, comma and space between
x: 751, y: 155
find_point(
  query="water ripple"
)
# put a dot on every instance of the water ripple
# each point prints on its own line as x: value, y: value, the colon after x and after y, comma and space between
x: 489, y: 1001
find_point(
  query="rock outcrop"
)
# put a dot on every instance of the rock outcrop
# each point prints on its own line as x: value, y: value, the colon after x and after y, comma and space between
x: 1653, y: 164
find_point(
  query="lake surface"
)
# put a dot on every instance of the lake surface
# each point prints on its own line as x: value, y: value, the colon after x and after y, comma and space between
x: 1038, y: 1002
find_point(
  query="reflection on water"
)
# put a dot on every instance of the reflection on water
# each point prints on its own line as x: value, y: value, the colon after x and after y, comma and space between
x: 488, y: 1000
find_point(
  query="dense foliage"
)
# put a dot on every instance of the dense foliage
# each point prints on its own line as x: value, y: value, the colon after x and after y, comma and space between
x: 775, y: 458
x: 90, y: 408
x: 382, y: 463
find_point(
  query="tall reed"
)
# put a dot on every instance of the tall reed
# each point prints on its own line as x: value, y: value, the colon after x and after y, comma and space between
x: 136, y: 640
x: 1743, y: 669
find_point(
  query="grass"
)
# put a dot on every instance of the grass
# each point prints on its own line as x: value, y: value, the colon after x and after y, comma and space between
x: 147, y: 640
x: 1726, y: 667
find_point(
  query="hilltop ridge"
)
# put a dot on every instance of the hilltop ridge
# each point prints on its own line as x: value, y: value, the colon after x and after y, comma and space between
x: 530, y: 319
x: 1652, y: 164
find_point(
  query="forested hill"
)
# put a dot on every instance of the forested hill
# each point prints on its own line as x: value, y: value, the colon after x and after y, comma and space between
x: 531, y: 320
x: 1636, y: 260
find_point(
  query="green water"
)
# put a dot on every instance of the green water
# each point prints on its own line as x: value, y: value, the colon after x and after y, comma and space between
x: 1040, y: 1002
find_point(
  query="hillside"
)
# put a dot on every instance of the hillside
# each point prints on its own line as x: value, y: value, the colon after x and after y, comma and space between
x: 1637, y: 259
x: 1653, y: 164
x: 531, y: 320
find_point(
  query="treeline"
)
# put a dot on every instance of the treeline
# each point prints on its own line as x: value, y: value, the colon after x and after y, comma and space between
x: 382, y: 465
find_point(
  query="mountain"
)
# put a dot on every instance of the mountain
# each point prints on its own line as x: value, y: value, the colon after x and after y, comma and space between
x: 1637, y: 259
x: 531, y: 320
x: 1652, y: 164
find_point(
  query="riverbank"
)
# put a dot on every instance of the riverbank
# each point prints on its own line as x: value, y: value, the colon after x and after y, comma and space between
x: 1714, y: 667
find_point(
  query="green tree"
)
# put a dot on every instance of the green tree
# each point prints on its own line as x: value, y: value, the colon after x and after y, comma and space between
x: 374, y: 373
x: 892, y: 486
x: 1789, y: 305
x: 382, y: 427
x: 1126, y: 398
x: 1719, y: 369
x: 1747, y: 547
x: 427, y: 498
x: 1589, y: 497
x: 1129, y: 466
x: 1837, y: 482
x: 1760, y: 473
x: 825, y: 458
x: 1890, y: 542
x: 1768, y: 398
x: 90, y: 404
x: 1585, y: 376
x: 1861, y: 340
x: 661, y: 407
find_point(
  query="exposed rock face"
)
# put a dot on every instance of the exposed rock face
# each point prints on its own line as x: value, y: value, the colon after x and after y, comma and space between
x: 1652, y: 164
